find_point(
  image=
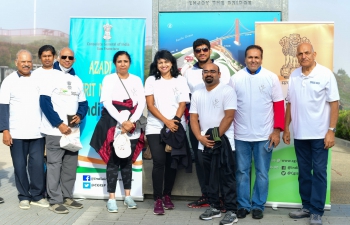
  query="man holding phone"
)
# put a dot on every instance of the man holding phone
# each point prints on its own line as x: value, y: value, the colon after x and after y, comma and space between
x: 258, y: 122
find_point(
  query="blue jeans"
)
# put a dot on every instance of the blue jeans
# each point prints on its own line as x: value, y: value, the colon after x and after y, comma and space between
x: 312, y: 156
x: 245, y: 150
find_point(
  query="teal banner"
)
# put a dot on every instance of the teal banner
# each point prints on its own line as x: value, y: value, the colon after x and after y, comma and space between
x: 94, y: 42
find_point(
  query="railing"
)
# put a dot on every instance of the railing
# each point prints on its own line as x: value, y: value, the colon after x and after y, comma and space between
x: 30, y: 32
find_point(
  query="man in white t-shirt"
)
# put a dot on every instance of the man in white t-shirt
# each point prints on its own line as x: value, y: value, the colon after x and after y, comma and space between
x: 216, y: 144
x: 193, y: 75
x: 61, y: 96
x: 20, y: 117
x: 258, y: 122
x: 313, y: 110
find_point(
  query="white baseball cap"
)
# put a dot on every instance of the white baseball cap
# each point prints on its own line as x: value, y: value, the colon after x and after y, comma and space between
x: 122, y: 146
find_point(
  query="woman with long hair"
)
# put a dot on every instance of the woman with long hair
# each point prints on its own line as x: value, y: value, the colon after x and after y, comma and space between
x: 123, y: 100
x: 166, y: 93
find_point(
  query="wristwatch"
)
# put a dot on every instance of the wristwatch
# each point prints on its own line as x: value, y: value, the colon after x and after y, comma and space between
x: 332, y: 129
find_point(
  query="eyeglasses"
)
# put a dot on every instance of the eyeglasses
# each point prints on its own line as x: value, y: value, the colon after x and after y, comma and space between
x: 208, y: 71
x: 65, y: 56
x: 198, y: 50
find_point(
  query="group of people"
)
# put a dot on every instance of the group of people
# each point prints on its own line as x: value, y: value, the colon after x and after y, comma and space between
x: 33, y: 117
x: 231, y: 120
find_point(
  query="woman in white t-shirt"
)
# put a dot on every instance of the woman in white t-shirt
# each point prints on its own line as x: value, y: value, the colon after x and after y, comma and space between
x: 123, y: 99
x: 166, y: 93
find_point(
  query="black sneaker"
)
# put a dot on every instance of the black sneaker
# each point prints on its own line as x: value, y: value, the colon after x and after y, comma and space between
x: 72, y: 203
x: 201, y: 202
x: 229, y: 219
x: 300, y: 213
x: 58, y: 208
x: 257, y: 214
x: 242, y: 213
x: 210, y: 214
x: 1, y: 200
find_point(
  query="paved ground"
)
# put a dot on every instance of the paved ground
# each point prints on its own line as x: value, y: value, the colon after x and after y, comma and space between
x: 94, y: 211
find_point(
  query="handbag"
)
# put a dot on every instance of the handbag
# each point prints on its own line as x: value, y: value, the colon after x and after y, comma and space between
x: 71, y: 142
x: 147, y: 153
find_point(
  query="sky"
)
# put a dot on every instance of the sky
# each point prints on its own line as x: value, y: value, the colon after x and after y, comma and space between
x: 19, y: 14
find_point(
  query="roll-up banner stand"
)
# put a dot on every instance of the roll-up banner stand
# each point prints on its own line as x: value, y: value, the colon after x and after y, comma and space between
x: 279, y: 41
x: 94, y: 42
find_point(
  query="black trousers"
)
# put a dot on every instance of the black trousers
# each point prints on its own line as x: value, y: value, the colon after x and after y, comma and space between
x: 29, y: 154
x: 125, y: 165
x: 199, y: 168
x: 162, y: 174
x: 214, y: 177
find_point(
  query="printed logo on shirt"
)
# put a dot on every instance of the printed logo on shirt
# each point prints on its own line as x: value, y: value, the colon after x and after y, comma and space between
x: 314, y: 82
x: 216, y: 104
x: 262, y: 88
x: 64, y: 91
x: 134, y: 92
x: 176, y: 91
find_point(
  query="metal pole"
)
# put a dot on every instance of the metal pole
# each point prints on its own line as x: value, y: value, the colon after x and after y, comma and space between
x: 34, y: 17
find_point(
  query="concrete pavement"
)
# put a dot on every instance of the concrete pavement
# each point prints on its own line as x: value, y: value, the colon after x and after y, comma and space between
x: 94, y: 212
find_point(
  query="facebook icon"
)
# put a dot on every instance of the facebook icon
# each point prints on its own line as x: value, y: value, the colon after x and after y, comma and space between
x: 86, y: 178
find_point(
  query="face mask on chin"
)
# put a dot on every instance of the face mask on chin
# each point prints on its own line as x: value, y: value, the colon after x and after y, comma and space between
x: 65, y: 70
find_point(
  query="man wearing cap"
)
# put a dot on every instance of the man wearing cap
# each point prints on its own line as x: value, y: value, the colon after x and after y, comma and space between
x: 312, y: 109
x: 258, y: 122
x: 193, y: 75
x: 60, y: 97
x: 216, y: 144
x: 20, y: 118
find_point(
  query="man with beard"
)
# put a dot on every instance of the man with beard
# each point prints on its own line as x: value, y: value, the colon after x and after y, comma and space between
x: 20, y: 118
x: 202, y: 52
x: 258, y: 122
x: 216, y: 143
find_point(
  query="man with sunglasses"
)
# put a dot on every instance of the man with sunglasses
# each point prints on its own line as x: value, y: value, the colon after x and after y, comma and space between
x: 61, y: 97
x: 258, y: 121
x: 202, y: 52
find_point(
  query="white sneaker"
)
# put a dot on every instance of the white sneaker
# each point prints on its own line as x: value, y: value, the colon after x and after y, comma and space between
x: 24, y: 204
x: 42, y: 203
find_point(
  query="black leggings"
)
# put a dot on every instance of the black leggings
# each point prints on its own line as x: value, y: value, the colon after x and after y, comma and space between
x: 125, y: 168
x: 161, y: 173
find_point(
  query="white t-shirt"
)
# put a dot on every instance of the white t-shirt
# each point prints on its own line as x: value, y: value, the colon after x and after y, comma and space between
x: 167, y: 96
x: 113, y: 90
x: 210, y: 107
x: 22, y: 95
x: 66, y: 91
x: 195, y: 79
x: 309, y: 97
x: 254, y: 119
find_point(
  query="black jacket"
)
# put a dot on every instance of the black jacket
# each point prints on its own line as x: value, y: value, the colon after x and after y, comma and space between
x: 180, y: 153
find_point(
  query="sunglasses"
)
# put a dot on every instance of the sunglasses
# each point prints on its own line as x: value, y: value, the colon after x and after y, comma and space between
x: 198, y: 50
x: 69, y: 57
